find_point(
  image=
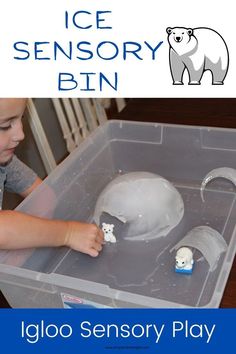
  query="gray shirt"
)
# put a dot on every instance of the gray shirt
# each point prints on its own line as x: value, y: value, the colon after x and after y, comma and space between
x: 15, y: 177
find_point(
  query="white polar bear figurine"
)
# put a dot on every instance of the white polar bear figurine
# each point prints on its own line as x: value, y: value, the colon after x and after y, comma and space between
x: 108, y: 232
x: 184, y: 260
x: 197, y: 50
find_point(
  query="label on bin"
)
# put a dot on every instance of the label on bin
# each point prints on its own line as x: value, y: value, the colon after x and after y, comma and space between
x: 74, y: 302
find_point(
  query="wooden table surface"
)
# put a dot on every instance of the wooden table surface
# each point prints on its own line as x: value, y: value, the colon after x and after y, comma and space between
x: 191, y: 111
x: 207, y: 112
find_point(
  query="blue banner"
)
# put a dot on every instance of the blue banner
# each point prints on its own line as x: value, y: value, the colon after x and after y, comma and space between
x: 101, y: 331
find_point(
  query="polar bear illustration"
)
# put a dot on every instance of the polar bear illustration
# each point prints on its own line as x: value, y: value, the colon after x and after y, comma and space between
x: 197, y: 50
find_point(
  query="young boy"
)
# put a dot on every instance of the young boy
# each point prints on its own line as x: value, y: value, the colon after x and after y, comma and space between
x: 19, y: 230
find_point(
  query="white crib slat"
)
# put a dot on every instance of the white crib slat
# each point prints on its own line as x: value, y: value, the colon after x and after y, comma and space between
x: 80, y: 117
x: 72, y: 120
x: 40, y: 138
x: 89, y: 113
x: 67, y: 134
x: 120, y: 103
x: 100, y: 111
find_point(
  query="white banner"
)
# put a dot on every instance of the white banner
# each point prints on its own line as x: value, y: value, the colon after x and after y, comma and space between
x: 111, y: 48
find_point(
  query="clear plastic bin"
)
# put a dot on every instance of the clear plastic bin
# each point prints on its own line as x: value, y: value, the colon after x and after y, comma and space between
x: 128, y: 273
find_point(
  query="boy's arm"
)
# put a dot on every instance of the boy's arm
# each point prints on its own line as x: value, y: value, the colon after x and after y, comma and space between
x: 36, y: 183
x: 19, y: 230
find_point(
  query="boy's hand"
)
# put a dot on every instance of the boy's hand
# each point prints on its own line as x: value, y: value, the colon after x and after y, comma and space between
x: 86, y: 238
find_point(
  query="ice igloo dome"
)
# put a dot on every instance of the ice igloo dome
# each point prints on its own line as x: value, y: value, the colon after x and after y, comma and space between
x: 149, y: 204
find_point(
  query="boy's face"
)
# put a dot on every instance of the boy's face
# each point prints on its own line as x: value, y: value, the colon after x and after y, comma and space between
x: 11, y: 132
